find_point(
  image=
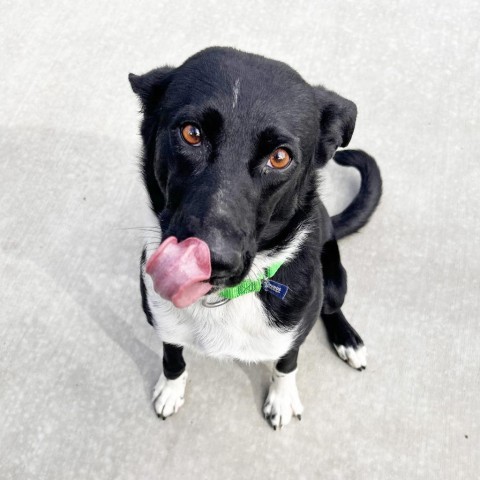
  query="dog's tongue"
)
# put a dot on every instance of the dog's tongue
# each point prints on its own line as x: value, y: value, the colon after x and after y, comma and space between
x: 179, y: 270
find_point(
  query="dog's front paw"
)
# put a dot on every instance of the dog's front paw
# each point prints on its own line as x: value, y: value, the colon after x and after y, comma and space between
x: 168, y: 395
x: 283, y: 400
x: 354, y: 355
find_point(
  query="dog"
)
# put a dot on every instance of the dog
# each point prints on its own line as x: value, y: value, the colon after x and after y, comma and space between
x: 241, y: 257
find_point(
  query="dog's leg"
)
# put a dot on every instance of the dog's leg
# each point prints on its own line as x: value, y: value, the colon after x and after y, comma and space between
x: 345, y: 339
x: 169, y: 392
x: 283, y: 401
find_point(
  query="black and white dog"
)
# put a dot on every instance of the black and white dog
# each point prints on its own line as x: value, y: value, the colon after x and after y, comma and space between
x: 242, y: 256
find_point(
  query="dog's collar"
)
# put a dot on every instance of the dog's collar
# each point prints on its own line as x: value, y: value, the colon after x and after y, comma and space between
x: 250, y: 286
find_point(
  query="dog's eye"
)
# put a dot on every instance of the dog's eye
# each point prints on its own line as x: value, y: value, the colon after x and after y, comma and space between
x: 279, y: 159
x: 191, y: 134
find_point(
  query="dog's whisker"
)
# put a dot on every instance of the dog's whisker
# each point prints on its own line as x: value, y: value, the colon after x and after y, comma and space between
x: 149, y: 244
x: 151, y: 227
x: 150, y: 236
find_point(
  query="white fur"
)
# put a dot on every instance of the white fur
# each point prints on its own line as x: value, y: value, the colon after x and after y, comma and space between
x: 239, y: 329
x: 236, y: 91
x: 356, y: 358
x: 283, y: 400
x: 169, y: 395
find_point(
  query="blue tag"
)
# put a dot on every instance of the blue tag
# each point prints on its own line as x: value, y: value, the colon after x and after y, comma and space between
x: 275, y: 288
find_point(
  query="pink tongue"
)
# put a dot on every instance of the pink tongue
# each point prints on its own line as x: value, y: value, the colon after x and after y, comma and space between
x: 179, y: 270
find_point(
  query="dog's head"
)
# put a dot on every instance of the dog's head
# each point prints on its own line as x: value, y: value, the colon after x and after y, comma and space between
x: 232, y: 142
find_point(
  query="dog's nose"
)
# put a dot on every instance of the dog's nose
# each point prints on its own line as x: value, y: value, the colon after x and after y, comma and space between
x: 226, y: 263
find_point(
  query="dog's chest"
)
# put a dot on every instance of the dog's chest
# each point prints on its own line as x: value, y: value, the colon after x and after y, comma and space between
x: 239, y: 329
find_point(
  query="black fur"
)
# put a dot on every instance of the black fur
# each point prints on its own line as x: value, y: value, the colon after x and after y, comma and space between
x: 173, y: 362
x: 223, y: 191
x: 357, y: 214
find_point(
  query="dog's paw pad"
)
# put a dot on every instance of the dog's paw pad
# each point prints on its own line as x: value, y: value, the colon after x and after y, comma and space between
x: 355, y: 356
x: 169, y: 395
x: 282, y: 401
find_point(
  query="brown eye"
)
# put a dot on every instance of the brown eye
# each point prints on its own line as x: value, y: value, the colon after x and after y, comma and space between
x: 279, y: 159
x: 191, y: 134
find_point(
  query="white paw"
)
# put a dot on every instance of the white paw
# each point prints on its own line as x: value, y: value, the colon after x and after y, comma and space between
x: 168, y: 395
x: 355, y: 357
x: 282, y: 401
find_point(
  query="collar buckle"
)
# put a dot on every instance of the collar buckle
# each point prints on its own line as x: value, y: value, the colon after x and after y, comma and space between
x: 214, y: 304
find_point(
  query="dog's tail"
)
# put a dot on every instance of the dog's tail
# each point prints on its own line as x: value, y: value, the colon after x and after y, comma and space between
x: 357, y: 214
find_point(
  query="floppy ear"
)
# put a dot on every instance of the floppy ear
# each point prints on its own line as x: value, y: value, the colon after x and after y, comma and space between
x: 337, y: 122
x: 150, y: 86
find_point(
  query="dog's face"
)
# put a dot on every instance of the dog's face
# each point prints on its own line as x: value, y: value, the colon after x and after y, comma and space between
x: 232, y: 142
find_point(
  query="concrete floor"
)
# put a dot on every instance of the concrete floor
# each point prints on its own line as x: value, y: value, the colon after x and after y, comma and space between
x: 78, y: 361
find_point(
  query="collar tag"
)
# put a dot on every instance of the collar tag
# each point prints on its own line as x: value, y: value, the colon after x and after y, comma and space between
x: 275, y: 288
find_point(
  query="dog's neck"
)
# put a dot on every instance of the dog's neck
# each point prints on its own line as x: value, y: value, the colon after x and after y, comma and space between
x: 280, y: 254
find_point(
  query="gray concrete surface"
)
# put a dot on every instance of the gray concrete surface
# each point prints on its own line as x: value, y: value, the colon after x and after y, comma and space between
x: 77, y: 359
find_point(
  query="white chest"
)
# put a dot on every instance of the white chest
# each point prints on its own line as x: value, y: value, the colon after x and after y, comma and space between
x: 239, y: 329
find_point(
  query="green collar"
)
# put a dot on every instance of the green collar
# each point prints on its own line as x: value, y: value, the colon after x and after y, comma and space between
x: 250, y: 286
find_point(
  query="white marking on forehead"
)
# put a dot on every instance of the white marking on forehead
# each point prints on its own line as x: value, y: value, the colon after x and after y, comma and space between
x: 236, y: 91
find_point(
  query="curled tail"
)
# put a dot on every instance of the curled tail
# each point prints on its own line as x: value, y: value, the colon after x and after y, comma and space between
x: 357, y: 214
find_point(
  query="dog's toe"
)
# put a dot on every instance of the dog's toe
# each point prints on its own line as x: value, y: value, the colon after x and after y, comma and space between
x: 283, y: 401
x: 355, y: 356
x: 169, y: 395
x: 346, y: 341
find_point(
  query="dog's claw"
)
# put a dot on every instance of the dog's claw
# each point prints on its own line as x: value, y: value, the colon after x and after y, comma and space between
x: 299, y: 417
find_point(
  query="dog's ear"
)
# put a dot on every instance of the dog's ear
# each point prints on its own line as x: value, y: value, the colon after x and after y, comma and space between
x: 150, y: 86
x: 337, y: 122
